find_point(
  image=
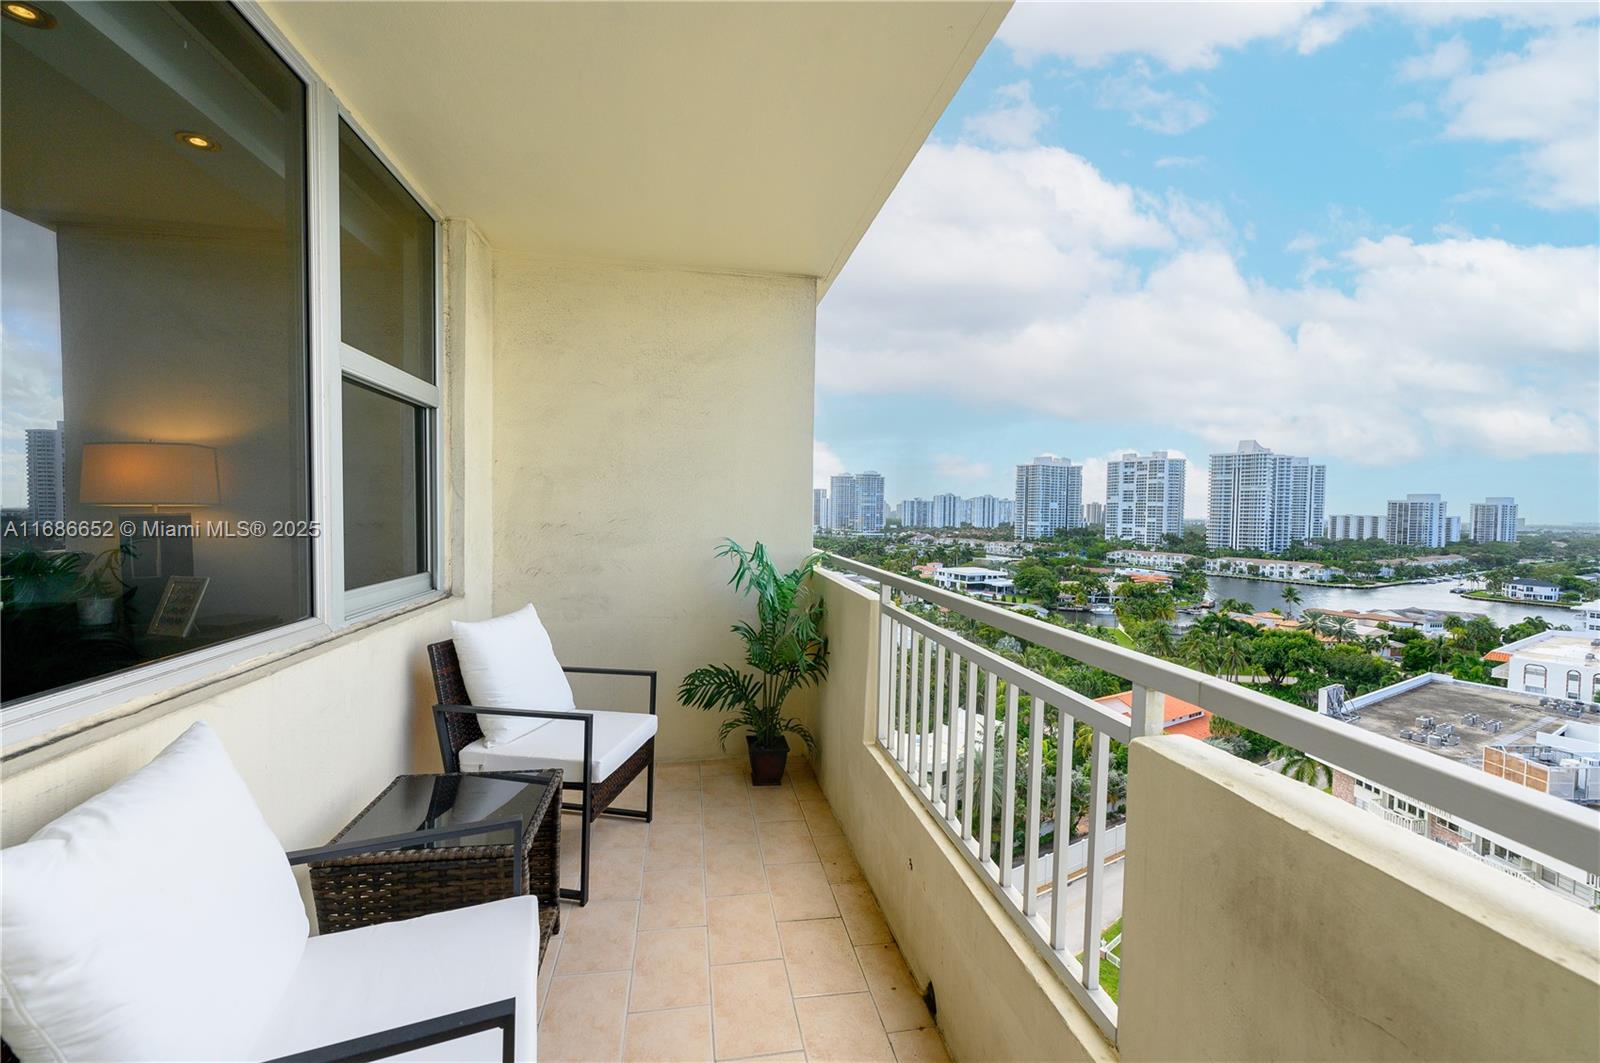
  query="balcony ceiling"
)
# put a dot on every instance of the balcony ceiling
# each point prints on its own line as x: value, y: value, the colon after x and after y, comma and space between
x: 759, y: 137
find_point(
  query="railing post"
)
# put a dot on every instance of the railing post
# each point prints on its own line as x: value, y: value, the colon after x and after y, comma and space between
x: 1148, y: 711
x: 885, y: 660
x: 1093, y: 883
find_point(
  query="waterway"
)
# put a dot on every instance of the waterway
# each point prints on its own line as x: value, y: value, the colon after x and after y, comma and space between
x: 1264, y: 594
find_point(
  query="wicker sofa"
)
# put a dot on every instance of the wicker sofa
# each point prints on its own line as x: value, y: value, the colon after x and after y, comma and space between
x: 599, y: 752
x: 161, y: 920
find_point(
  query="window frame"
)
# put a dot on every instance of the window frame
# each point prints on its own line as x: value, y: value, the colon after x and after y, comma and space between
x: 330, y: 361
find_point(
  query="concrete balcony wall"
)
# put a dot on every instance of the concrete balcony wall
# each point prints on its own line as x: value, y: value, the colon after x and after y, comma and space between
x: 1266, y: 920
x: 997, y: 999
x: 644, y: 415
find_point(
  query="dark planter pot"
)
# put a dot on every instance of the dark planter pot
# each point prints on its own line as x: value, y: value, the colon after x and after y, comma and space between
x: 767, y: 762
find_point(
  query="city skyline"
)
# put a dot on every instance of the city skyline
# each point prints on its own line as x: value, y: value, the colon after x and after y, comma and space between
x: 1116, y: 241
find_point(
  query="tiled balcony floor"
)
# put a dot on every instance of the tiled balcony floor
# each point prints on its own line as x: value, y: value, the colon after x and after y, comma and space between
x: 736, y: 926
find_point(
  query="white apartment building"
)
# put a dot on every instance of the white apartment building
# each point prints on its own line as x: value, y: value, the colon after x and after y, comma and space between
x: 1452, y: 529
x: 819, y: 508
x: 983, y: 511
x: 1263, y: 501
x: 47, y: 463
x: 1494, y: 520
x: 855, y: 502
x: 1557, y: 664
x: 1004, y: 509
x: 1159, y: 560
x: 916, y: 513
x: 1094, y: 513
x: 1417, y: 520
x: 1144, y: 497
x: 1587, y: 616
x: 1353, y: 526
x: 946, y: 511
x: 1049, y: 497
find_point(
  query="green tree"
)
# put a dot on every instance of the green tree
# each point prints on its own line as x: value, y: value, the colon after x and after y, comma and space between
x: 1278, y: 653
x: 1291, y: 598
x: 1301, y: 767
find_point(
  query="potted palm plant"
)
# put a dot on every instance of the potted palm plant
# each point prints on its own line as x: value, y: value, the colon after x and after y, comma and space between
x: 784, y: 650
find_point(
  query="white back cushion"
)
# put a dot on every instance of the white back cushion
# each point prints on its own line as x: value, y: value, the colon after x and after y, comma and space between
x: 508, y: 663
x: 157, y: 920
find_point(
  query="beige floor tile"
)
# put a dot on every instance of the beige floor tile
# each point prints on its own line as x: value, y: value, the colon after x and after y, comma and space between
x: 800, y: 891
x: 681, y: 1036
x: 674, y: 845
x: 609, y: 834
x: 819, y: 818
x: 898, y: 997
x: 673, y: 897
x: 729, y: 826
x: 819, y: 957
x: 636, y: 793
x: 785, y: 842
x: 774, y: 803
x: 800, y: 767
x: 919, y: 1046
x: 677, y: 806
x: 724, y: 768
x: 742, y: 929
x: 732, y: 791
x: 669, y: 970
x: 862, y: 917
x: 808, y: 790
x: 752, y: 1013
x: 547, y: 969
x: 613, y: 875
x: 837, y: 859
x: 732, y: 869
x: 597, y: 937
x: 584, y: 1018
x: 842, y: 1029
x: 677, y: 777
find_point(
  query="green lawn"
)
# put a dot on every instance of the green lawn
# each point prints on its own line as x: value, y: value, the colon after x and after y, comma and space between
x: 1110, y: 975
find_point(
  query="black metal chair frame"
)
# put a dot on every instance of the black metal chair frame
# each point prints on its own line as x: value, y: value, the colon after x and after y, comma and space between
x: 585, y: 807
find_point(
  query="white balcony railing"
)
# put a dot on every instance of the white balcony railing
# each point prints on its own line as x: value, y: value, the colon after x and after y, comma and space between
x: 940, y: 720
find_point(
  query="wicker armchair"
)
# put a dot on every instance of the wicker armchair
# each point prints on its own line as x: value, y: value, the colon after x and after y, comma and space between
x: 456, y: 721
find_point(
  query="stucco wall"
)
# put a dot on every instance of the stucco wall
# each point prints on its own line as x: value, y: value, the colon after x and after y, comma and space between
x: 316, y: 733
x: 1266, y: 920
x: 997, y: 1000
x: 643, y: 415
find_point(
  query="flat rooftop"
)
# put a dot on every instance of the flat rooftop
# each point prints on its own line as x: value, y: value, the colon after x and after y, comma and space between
x: 1565, y: 649
x: 1520, y: 715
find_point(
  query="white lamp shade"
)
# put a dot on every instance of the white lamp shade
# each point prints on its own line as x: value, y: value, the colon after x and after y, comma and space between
x: 148, y: 474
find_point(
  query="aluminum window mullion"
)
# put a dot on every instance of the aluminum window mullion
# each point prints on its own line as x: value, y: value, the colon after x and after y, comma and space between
x: 378, y: 374
x: 326, y: 357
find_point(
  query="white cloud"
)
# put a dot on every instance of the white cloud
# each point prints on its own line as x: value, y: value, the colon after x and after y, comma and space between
x: 1158, y: 110
x: 1546, y: 98
x: 824, y: 463
x: 955, y: 467
x: 1013, y: 122
x: 1448, y: 59
x: 1180, y: 36
x: 1013, y: 268
x: 1182, y: 161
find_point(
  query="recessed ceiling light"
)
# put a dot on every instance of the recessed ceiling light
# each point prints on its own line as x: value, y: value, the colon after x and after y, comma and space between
x: 198, y: 141
x: 27, y: 14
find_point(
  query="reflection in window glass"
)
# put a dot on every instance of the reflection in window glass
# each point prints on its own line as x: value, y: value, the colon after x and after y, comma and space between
x: 385, y: 263
x: 155, y: 331
x: 385, y: 521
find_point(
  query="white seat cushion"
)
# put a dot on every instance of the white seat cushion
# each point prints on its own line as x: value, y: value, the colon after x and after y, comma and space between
x: 508, y: 663
x: 617, y: 736
x: 379, y: 977
x: 157, y: 920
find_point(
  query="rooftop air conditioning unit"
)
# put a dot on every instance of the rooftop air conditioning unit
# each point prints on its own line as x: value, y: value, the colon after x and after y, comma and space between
x: 1435, y: 741
x: 1407, y: 733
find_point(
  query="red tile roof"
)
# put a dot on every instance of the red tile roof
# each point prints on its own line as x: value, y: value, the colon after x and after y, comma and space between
x: 1175, y: 709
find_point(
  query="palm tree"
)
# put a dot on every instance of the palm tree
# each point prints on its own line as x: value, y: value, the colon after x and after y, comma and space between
x: 1291, y: 598
x: 1155, y: 638
x: 784, y: 651
x: 1235, y: 656
x: 1301, y: 767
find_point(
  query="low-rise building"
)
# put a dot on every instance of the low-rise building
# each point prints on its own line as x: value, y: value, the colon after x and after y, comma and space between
x: 1587, y: 616
x: 969, y: 579
x: 1272, y: 568
x: 1555, y: 664
x: 1525, y: 589
x: 1181, y: 718
x: 1158, y: 560
x: 1526, y: 739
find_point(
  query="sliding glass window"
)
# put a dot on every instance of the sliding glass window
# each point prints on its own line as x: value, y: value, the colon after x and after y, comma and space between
x: 157, y: 469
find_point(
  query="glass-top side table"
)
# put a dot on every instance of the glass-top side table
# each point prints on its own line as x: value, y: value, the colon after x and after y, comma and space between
x: 430, y: 843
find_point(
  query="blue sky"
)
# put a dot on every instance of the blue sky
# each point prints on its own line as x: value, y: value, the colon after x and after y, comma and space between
x: 1365, y: 234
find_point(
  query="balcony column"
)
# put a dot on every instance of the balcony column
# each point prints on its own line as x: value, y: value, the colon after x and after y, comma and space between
x: 1148, y: 711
